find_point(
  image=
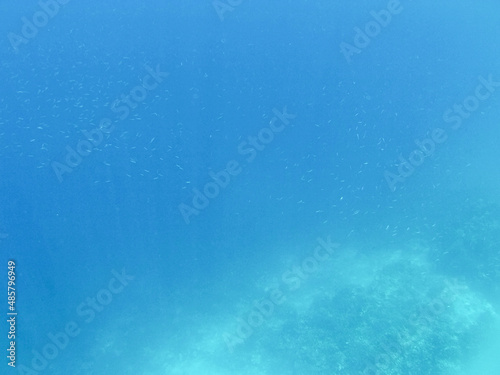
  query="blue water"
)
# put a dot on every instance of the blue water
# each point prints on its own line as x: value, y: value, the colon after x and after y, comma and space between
x: 249, y: 187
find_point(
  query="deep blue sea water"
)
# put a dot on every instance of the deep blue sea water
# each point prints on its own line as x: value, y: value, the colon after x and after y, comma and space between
x: 250, y: 187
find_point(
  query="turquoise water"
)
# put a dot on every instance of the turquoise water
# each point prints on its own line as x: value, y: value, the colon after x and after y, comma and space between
x: 237, y: 187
